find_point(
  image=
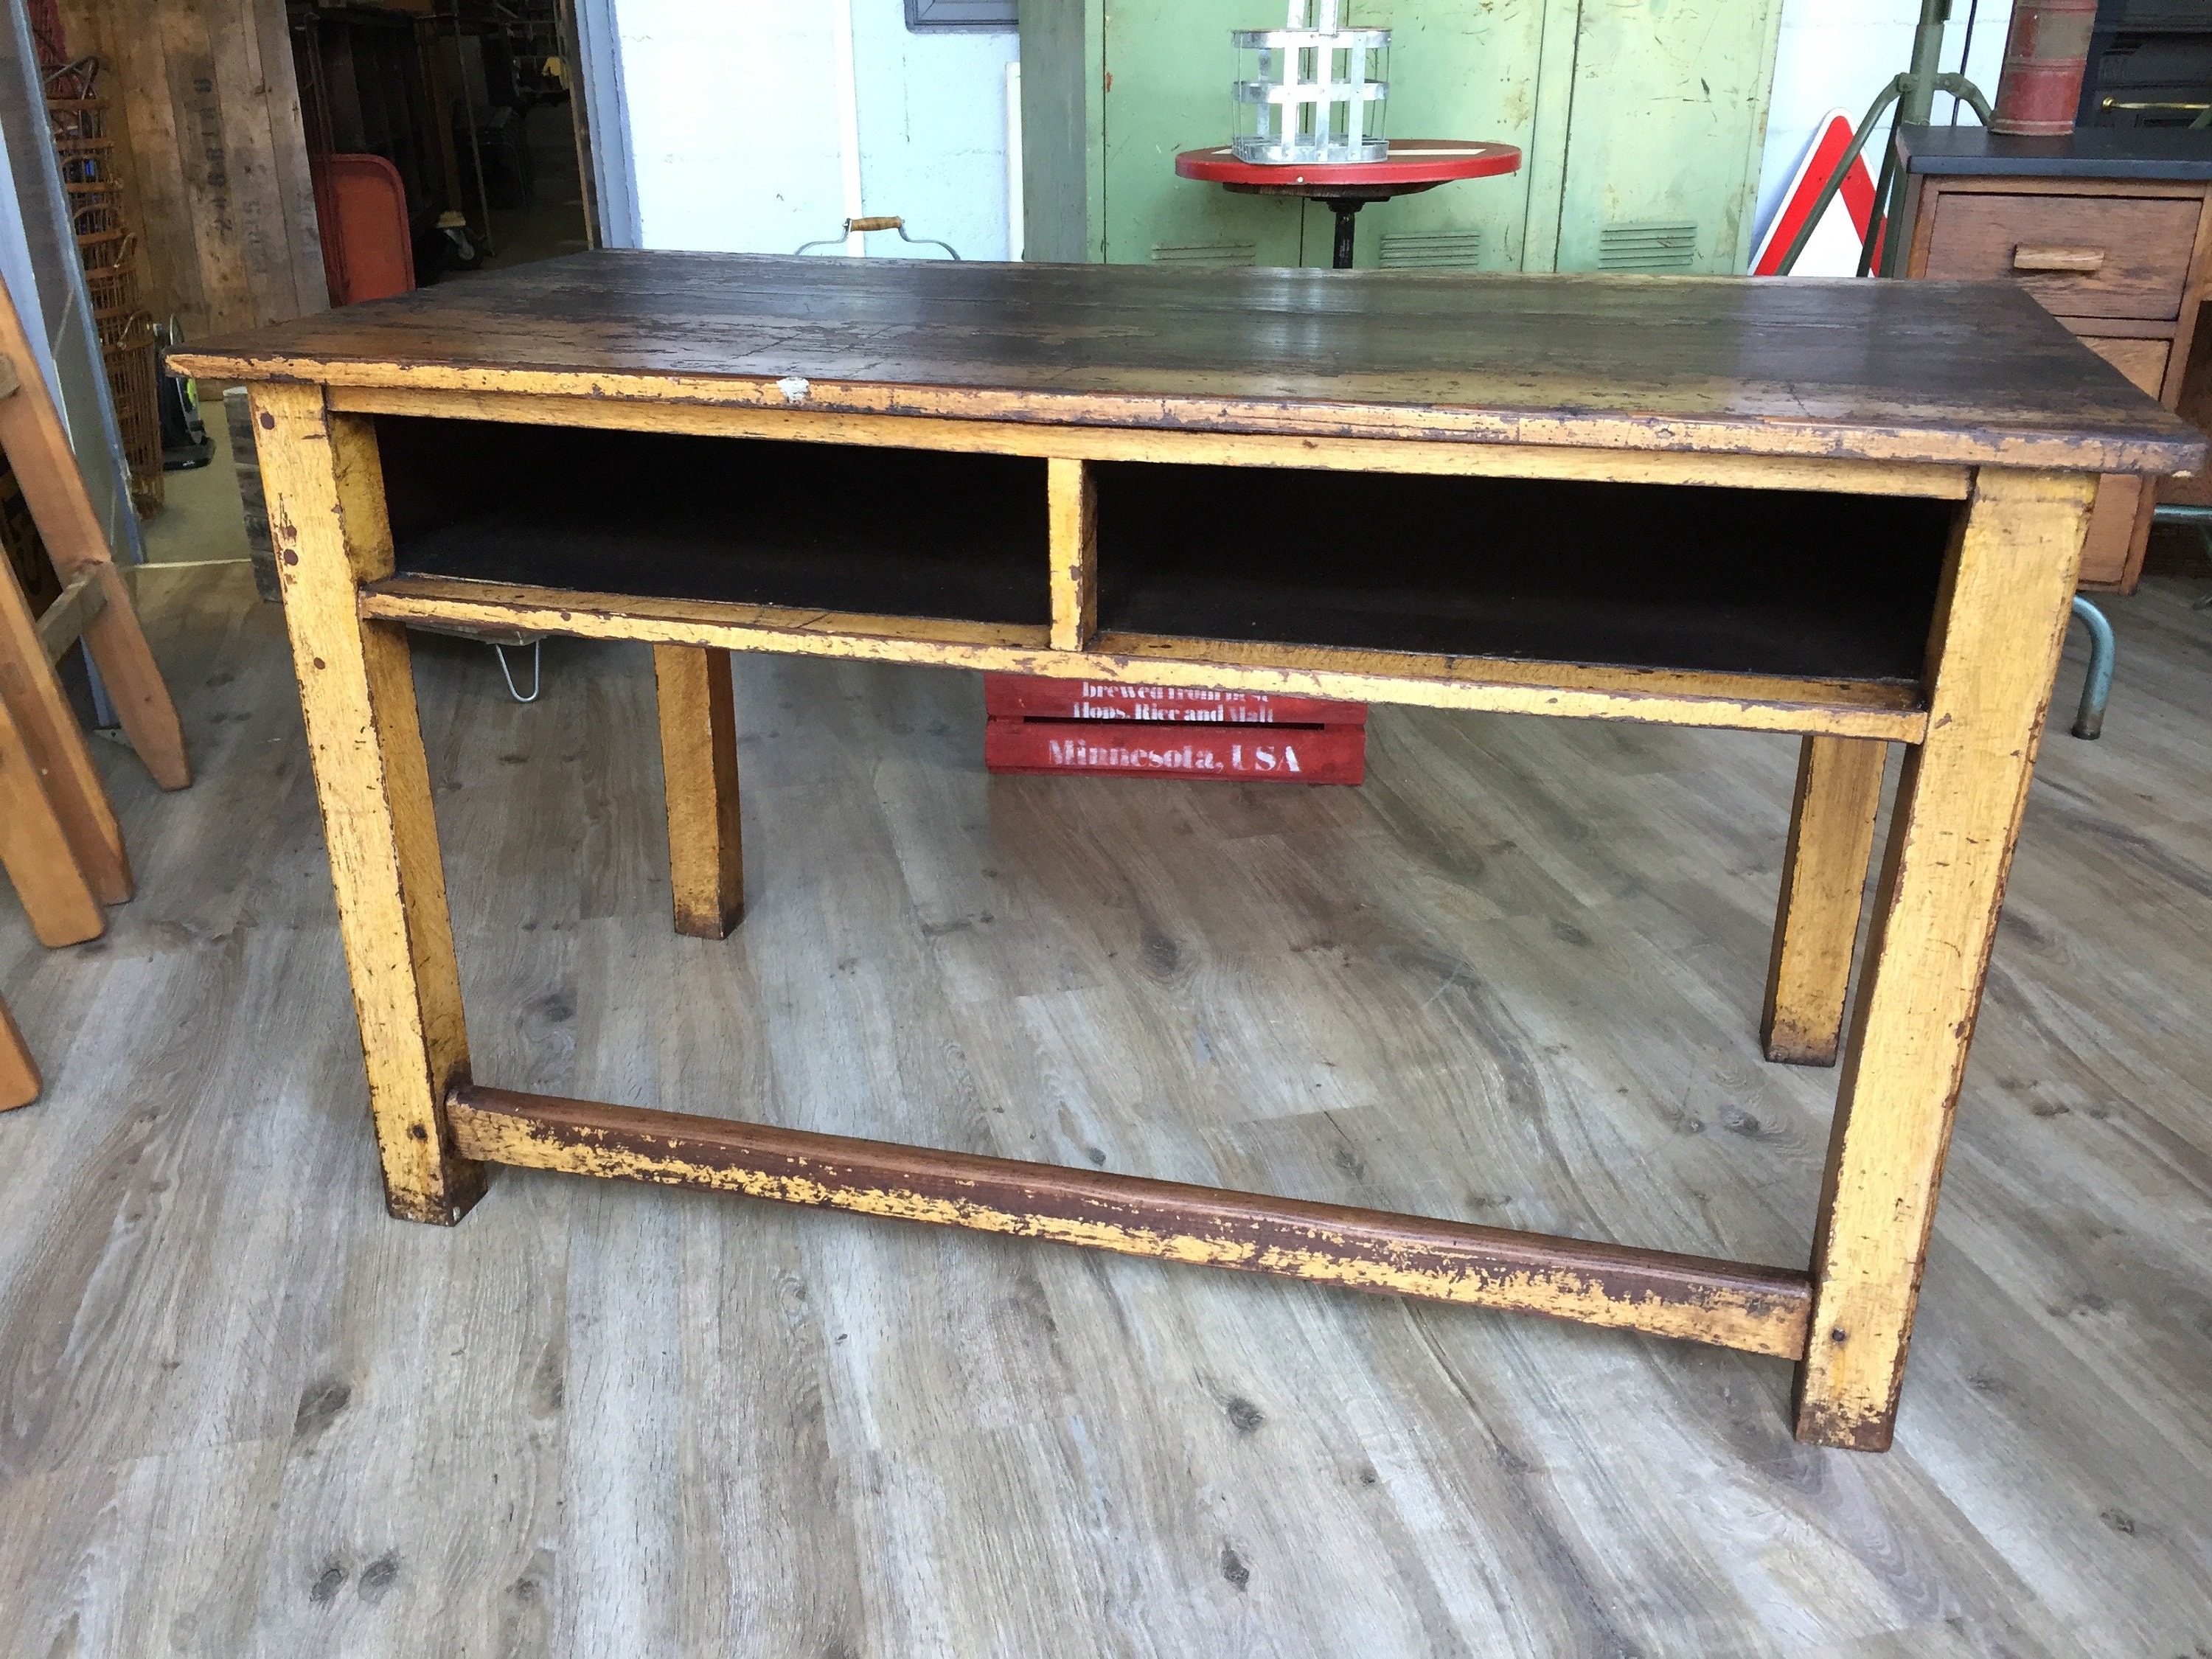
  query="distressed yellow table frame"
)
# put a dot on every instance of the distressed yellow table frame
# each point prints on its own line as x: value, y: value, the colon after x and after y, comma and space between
x: 1970, y: 732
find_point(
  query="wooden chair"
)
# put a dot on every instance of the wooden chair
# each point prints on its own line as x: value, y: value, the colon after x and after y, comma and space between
x: 19, y: 1072
x: 59, y: 841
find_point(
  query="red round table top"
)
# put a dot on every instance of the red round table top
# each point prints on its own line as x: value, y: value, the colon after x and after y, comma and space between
x: 1411, y: 161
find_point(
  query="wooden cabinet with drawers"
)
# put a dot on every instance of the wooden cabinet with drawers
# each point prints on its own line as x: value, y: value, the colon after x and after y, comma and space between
x: 2110, y: 229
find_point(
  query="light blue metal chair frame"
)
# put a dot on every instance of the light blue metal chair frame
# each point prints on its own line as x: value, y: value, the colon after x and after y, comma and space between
x: 2199, y: 516
x: 2097, y: 688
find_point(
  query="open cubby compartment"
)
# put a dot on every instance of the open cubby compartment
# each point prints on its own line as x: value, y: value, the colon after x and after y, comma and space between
x: 1767, y: 582
x: 760, y: 521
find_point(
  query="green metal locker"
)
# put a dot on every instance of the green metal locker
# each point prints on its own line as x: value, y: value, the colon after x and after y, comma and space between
x: 1641, y: 122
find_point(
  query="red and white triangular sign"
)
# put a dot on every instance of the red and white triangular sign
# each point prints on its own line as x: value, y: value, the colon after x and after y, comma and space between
x: 1834, y: 250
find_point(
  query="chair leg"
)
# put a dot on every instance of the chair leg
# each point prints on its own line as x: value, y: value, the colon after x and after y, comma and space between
x: 2097, y: 686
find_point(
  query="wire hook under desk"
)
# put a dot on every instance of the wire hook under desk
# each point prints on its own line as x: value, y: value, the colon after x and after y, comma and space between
x: 536, y: 671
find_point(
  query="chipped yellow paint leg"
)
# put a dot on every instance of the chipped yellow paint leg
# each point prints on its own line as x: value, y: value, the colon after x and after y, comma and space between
x: 326, y: 520
x: 1072, y: 493
x: 1824, y: 876
x: 2000, y: 619
x: 1758, y: 1310
x: 699, y: 776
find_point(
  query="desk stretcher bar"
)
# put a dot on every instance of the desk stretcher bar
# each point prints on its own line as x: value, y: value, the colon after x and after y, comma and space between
x: 1731, y: 1304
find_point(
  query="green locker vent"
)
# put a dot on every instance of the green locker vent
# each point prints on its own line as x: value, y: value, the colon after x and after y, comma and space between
x: 1447, y: 250
x: 1204, y: 253
x: 1647, y: 247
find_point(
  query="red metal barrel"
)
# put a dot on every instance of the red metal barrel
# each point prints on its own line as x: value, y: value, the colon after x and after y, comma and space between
x: 2045, y: 55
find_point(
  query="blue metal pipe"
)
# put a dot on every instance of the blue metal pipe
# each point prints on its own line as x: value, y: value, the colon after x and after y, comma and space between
x: 2178, y: 513
x: 2097, y: 688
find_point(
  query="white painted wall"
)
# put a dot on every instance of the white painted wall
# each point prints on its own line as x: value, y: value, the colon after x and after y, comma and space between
x: 730, y: 112
x: 606, y: 113
x: 733, y: 126
x: 1838, y: 54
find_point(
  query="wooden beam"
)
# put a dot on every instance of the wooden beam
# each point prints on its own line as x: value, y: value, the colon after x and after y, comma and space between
x: 205, y: 109
x: 699, y: 775
x: 1504, y: 685
x: 64, y: 621
x: 327, y: 521
x: 37, y: 448
x: 1731, y: 1304
x: 19, y: 1073
x: 1072, y: 493
x: 1516, y: 686
x: 34, y: 850
x: 1824, y: 878
x: 1436, y: 455
x: 2001, y: 618
x: 48, y: 729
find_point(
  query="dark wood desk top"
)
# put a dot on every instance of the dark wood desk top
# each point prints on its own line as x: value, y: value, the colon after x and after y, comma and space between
x: 2086, y: 153
x: 1962, y: 374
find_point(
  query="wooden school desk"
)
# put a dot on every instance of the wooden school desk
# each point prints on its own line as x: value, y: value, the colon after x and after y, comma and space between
x: 1849, y: 510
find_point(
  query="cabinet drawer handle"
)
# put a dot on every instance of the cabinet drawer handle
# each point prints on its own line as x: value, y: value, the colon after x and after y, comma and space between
x: 2035, y: 256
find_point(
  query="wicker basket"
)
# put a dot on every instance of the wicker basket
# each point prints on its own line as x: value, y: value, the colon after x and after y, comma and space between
x: 113, y: 293
x: 105, y: 244
x: 106, y: 250
x: 132, y: 375
x: 124, y: 330
x: 96, y: 209
x: 114, y: 288
x: 85, y: 160
x: 77, y: 117
x: 75, y: 82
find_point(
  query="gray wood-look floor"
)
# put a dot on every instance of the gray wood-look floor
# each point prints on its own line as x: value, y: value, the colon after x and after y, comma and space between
x: 1513, y: 979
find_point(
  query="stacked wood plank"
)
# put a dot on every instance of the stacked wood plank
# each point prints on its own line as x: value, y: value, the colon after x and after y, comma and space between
x: 207, y: 129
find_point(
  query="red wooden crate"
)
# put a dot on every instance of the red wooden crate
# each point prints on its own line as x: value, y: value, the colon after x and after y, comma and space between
x: 1147, y: 749
x: 1100, y: 699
